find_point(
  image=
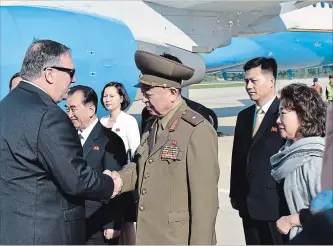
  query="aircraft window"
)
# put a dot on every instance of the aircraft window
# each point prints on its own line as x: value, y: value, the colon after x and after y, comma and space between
x: 322, y: 4
x: 330, y: 5
x: 314, y: 5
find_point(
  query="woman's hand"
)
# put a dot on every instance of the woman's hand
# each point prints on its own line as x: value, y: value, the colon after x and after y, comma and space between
x: 285, y: 223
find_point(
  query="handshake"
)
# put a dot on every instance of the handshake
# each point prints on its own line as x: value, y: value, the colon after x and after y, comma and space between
x: 118, y: 182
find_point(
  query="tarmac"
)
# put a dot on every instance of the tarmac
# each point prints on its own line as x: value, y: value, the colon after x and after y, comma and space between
x: 226, y: 103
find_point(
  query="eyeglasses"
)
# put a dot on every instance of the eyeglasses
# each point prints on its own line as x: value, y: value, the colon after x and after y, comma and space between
x: 71, y: 72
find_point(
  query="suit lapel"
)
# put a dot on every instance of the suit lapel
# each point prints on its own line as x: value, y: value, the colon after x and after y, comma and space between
x: 90, y: 142
x: 268, y: 121
x: 248, y: 125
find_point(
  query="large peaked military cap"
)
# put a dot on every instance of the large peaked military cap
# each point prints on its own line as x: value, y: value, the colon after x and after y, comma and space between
x: 157, y: 71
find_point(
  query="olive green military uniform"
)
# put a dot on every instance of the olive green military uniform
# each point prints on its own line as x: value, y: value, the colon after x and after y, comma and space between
x: 176, y: 171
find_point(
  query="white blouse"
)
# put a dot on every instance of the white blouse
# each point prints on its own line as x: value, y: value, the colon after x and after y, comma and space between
x: 127, y: 128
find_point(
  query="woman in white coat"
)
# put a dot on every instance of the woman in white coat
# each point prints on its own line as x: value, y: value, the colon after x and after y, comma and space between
x: 114, y: 98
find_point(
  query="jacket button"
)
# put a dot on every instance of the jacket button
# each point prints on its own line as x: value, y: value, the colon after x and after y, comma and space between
x: 144, y: 191
x: 150, y: 161
x: 141, y: 208
x: 249, y: 175
x: 146, y: 176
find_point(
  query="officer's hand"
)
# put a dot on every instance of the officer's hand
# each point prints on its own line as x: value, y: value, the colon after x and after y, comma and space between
x: 118, y: 183
x: 111, y: 233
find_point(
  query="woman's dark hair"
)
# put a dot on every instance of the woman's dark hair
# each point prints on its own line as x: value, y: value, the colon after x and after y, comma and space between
x: 121, y: 91
x: 309, y: 106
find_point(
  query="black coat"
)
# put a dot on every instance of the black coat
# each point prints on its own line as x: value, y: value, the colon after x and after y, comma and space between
x: 43, y: 176
x: 252, y: 187
x: 102, y: 150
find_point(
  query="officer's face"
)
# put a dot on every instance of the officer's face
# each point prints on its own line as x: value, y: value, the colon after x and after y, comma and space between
x: 158, y: 100
x: 288, y: 123
x: 259, y: 85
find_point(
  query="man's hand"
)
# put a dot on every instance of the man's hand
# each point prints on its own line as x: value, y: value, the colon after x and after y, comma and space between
x: 108, y: 172
x: 111, y: 233
x: 118, y: 183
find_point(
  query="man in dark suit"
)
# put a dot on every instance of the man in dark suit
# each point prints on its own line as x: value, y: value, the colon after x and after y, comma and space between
x: 102, y: 149
x: 44, y: 179
x: 253, y: 191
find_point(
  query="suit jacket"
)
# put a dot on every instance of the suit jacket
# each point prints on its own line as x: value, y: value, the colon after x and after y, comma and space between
x: 102, y: 150
x: 252, y: 187
x: 177, y: 182
x: 43, y: 176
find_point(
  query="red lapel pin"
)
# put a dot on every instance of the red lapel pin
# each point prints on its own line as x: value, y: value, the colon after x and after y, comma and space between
x: 174, y: 142
x: 274, y: 129
x: 95, y: 148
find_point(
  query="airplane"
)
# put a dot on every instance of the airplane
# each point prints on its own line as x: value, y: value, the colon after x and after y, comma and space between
x: 186, y: 28
x: 295, y: 49
x: 104, y: 35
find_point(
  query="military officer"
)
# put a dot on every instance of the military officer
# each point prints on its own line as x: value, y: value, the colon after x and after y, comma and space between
x: 176, y: 166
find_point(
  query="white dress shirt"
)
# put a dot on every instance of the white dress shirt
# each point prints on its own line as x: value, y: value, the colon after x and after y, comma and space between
x: 127, y: 128
x: 26, y: 81
x: 86, y: 132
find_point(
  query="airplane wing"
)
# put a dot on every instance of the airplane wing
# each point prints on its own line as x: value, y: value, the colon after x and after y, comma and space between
x: 195, y: 26
x: 185, y: 28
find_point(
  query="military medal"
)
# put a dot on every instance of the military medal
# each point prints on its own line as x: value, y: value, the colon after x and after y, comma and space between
x: 170, y: 152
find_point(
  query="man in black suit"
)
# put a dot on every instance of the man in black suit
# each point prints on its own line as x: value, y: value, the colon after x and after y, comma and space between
x: 44, y: 179
x: 253, y: 191
x: 102, y: 149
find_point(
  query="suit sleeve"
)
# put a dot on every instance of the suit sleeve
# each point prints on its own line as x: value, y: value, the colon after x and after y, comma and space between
x: 114, y: 159
x: 236, y: 179
x: 60, y: 152
x: 203, y: 176
x: 129, y: 177
x: 115, y: 151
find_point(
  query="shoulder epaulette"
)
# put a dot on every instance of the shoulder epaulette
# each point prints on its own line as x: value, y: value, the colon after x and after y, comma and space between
x: 192, y: 117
